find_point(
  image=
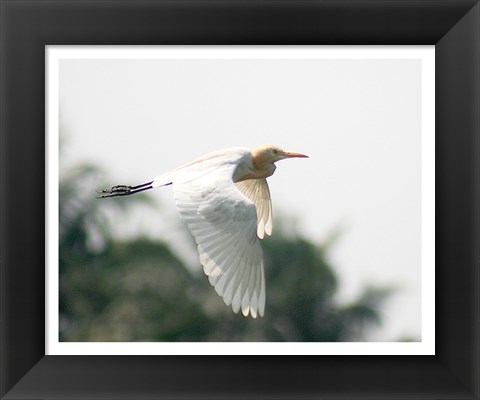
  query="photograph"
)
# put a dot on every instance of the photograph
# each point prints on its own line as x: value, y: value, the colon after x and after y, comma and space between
x: 179, y: 223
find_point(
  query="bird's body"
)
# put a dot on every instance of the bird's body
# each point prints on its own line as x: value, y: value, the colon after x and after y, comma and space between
x: 224, y: 198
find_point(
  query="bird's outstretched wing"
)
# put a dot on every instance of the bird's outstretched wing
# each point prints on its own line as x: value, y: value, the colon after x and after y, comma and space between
x: 224, y: 224
x: 257, y: 191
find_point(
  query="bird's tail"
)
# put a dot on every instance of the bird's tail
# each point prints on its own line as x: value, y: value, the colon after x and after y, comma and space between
x: 162, y: 180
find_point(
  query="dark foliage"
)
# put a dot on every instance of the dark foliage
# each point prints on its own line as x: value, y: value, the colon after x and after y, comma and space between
x: 138, y: 290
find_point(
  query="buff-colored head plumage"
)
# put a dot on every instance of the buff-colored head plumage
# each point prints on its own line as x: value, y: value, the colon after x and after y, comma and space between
x: 269, y: 153
x: 264, y: 158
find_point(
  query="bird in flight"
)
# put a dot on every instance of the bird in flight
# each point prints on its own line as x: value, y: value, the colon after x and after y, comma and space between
x: 225, y: 200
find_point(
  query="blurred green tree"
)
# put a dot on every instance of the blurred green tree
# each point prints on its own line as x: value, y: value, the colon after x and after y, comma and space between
x: 137, y: 290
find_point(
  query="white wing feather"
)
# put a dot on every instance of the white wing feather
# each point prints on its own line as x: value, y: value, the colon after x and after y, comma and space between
x: 257, y: 191
x: 224, y: 224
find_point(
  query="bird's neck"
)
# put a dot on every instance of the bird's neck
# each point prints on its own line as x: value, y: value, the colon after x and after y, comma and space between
x: 261, y: 169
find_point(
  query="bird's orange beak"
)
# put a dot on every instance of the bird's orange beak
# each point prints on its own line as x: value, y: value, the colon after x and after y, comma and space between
x: 288, y: 154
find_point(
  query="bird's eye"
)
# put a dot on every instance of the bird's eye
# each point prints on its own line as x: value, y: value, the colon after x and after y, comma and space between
x: 274, y: 151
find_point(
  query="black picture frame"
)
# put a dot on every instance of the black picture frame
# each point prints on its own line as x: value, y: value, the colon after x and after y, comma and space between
x: 453, y: 26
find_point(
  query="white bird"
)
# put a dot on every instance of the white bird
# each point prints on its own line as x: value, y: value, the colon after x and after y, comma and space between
x: 224, y: 198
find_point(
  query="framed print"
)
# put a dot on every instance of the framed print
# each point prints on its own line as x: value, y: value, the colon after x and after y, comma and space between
x: 99, y: 75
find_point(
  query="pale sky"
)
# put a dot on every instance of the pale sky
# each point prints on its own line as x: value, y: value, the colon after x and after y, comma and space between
x: 359, y: 120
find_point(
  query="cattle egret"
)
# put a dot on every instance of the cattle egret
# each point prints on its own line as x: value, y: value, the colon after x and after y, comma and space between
x: 225, y: 201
